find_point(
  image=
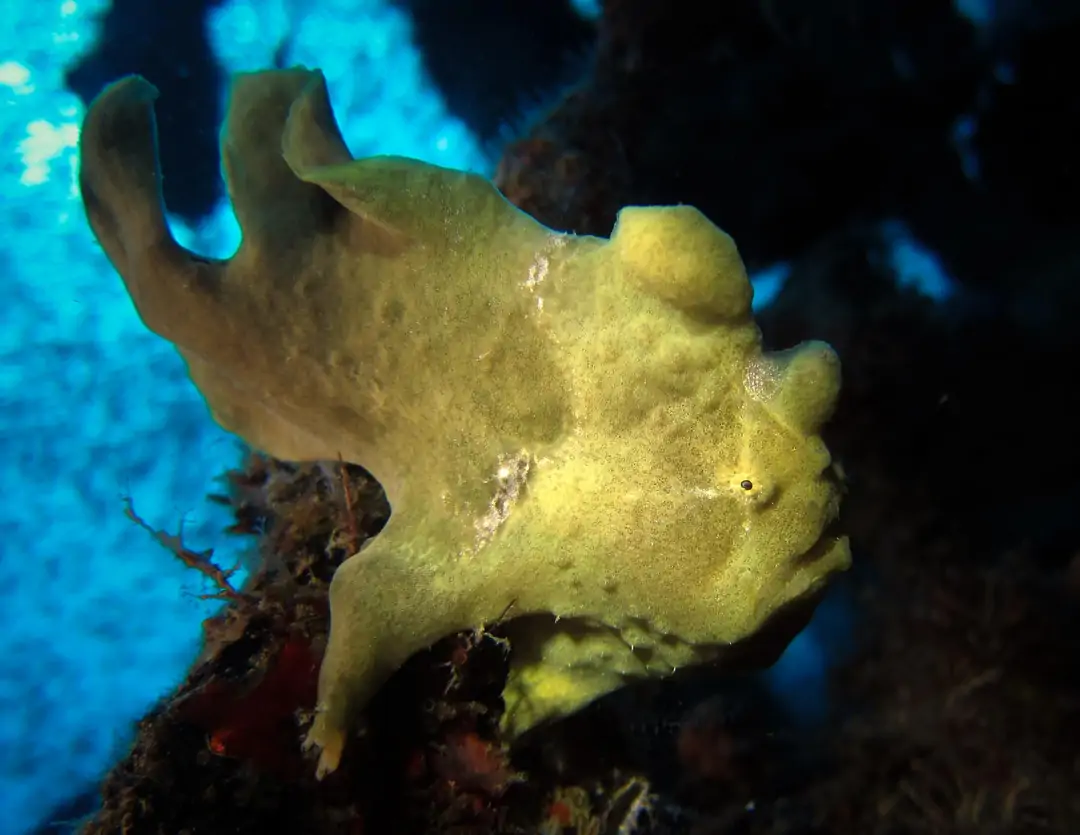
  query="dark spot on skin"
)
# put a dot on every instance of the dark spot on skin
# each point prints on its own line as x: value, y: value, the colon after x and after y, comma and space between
x: 644, y: 654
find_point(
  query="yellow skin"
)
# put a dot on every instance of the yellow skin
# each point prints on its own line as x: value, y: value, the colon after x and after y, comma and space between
x: 582, y: 430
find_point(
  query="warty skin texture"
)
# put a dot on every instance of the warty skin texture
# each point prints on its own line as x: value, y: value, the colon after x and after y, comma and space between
x: 578, y: 433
